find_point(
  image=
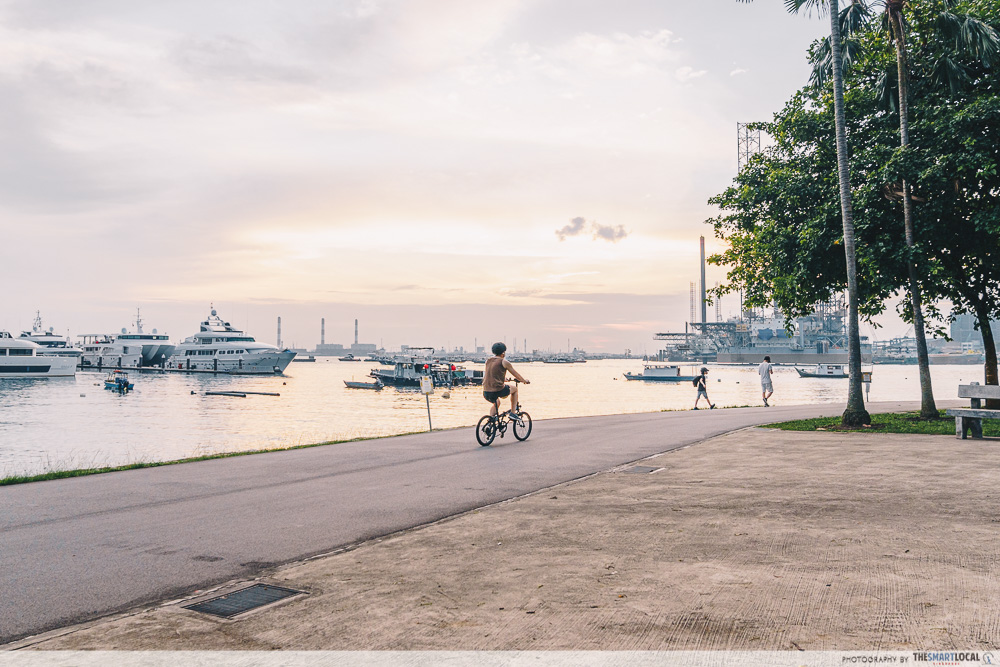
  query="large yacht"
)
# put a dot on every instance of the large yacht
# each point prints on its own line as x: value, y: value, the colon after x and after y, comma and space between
x: 52, y: 344
x: 220, y: 348
x: 129, y: 349
x: 20, y: 358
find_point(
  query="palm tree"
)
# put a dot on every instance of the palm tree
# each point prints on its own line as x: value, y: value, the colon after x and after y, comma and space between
x: 969, y: 37
x: 855, y: 414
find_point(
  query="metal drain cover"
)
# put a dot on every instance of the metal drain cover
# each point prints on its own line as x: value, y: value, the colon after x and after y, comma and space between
x: 642, y: 470
x: 233, y: 604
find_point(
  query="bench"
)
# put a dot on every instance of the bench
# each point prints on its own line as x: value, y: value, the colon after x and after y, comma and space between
x: 969, y: 421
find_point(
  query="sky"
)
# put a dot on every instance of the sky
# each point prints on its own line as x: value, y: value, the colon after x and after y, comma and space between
x: 447, y: 172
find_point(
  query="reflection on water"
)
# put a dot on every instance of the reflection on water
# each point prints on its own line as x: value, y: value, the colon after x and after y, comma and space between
x: 74, y: 422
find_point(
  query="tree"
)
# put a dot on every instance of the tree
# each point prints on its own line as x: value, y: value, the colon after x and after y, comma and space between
x: 777, y: 215
x: 855, y: 414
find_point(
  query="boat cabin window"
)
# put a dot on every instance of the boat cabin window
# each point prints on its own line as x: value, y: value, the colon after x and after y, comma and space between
x: 19, y: 351
x: 3, y: 352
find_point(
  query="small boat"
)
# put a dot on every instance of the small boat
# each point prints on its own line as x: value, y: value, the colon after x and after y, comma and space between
x: 376, y: 385
x: 660, y: 373
x: 349, y: 357
x: 824, y: 371
x: 304, y: 359
x: 118, y: 381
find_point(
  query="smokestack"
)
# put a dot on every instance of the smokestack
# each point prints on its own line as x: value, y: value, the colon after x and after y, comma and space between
x: 355, y: 332
x: 704, y: 313
x: 279, y: 331
x: 322, y: 331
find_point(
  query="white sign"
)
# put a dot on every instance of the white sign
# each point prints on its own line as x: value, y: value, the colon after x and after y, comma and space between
x: 426, y: 385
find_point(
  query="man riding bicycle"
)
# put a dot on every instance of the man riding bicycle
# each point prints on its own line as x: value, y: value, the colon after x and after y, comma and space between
x: 493, y: 380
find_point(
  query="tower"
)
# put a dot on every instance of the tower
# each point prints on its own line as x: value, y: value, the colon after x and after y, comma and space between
x: 322, y: 331
x: 279, y: 331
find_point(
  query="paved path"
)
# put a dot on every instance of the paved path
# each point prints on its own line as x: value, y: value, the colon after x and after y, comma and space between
x: 76, y: 549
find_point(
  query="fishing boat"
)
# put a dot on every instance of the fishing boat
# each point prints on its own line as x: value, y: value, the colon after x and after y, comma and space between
x: 824, y: 371
x: 660, y: 373
x: 118, y: 381
x: 406, y: 372
x: 302, y: 360
x: 349, y: 357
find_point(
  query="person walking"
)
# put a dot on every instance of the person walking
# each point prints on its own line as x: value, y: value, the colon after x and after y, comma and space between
x: 701, y: 382
x: 765, y: 370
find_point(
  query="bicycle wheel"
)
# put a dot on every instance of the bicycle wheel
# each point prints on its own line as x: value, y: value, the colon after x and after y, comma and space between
x: 522, y: 426
x: 486, y: 430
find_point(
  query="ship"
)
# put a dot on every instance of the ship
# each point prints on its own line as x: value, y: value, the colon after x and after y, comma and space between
x: 819, y: 338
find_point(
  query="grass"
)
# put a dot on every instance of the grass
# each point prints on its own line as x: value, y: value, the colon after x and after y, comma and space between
x: 890, y: 422
x: 83, y: 472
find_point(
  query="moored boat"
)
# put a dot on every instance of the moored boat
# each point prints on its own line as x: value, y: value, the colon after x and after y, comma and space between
x: 824, y: 371
x: 660, y: 373
x: 21, y: 358
x: 376, y: 385
x: 220, y: 348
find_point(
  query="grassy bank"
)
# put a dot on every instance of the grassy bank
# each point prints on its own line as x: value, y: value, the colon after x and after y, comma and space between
x: 890, y: 422
x: 83, y: 472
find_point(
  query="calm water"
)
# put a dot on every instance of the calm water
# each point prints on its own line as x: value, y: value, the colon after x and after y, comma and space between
x: 75, y: 422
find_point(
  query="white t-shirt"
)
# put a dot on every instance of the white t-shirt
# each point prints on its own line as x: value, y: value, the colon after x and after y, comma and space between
x: 765, y: 371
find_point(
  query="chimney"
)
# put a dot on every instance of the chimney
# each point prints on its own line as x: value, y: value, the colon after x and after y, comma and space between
x: 704, y: 313
x: 322, y: 331
x: 355, y: 332
x: 279, y: 331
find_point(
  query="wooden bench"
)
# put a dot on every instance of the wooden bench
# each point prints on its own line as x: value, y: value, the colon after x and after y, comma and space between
x: 969, y: 421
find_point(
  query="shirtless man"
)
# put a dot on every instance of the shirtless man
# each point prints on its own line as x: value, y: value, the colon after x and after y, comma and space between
x: 493, y: 379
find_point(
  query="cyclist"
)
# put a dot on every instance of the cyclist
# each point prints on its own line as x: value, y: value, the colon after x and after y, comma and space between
x: 493, y: 380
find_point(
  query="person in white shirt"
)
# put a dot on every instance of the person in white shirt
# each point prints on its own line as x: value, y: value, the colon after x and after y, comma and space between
x: 765, y: 371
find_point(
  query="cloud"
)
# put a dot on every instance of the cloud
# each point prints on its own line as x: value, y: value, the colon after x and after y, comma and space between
x: 574, y: 228
x: 687, y: 73
x: 609, y: 233
x: 737, y: 72
x: 577, y: 226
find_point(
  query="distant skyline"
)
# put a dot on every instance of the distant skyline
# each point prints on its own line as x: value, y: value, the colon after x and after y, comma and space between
x: 441, y: 170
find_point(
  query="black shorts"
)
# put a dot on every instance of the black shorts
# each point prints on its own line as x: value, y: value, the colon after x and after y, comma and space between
x: 492, y: 396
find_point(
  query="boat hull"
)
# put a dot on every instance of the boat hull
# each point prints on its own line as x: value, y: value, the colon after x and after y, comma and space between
x: 683, y: 378
x: 37, y: 367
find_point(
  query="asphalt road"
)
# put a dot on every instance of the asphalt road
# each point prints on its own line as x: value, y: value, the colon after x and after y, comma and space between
x: 77, y: 549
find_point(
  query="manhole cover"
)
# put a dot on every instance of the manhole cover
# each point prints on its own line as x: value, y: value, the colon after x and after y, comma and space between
x: 233, y: 604
x: 642, y: 470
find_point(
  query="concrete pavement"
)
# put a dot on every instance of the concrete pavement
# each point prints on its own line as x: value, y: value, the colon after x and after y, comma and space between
x: 729, y: 545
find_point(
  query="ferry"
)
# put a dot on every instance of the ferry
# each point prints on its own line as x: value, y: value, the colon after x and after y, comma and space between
x: 21, y: 358
x: 218, y: 347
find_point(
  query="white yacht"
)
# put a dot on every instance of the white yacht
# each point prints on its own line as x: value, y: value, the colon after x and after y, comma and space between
x: 20, y: 358
x: 52, y: 344
x: 220, y: 348
x: 105, y: 351
x: 127, y: 349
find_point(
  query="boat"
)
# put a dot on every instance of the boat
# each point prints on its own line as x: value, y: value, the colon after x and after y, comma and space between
x: 653, y: 372
x: 117, y: 380
x: 21, y: 358
x: 304, y: 359
x: 218, y: 347
x: 52, y: 344
x: 349, y: 357
x: 824, y: 371
x: 102, y: 351
x: 376, y: 385
x: 407, y: 371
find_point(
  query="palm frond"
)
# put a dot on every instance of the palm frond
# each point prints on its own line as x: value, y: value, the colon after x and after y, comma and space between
x: 854, y: 18
x: 949, y: 72
x: 886, y: 89
x: 851, y: 50
x: 970, y: 36
x: 795, y: 6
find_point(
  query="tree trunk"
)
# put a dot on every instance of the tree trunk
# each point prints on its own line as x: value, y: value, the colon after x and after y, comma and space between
x: 855, y: 414
x: 989, y: 343
x: 928, y: 410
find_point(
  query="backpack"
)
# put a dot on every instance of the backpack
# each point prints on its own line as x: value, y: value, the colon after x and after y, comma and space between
x: 695, y: 381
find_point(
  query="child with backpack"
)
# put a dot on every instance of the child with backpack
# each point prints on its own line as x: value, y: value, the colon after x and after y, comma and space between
x: 701, y: 382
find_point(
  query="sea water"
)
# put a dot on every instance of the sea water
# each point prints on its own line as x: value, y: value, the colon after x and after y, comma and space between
x: 62, y: 423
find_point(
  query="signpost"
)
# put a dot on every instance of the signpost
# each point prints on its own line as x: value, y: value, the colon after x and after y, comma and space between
x: 427, y: 388
x: 866, y: 377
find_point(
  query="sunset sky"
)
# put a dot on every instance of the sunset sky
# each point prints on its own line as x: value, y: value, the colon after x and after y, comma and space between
x: 446, y: 171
